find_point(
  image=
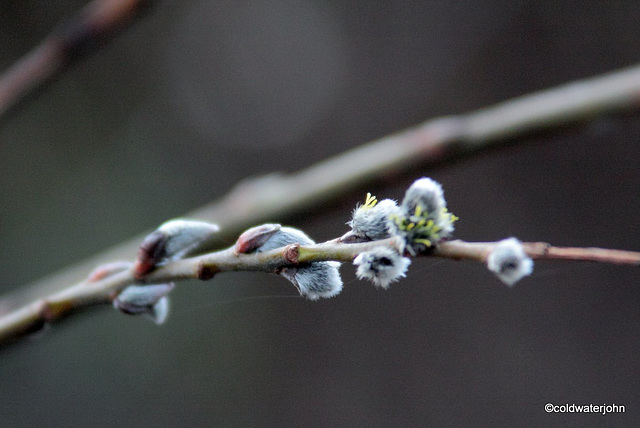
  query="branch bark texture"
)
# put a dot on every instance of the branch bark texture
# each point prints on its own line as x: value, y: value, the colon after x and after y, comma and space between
x: 91, y: 27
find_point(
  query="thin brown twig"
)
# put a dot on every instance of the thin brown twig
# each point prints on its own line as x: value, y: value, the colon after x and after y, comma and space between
x: 478, y: 251
x: 80, y: 35
x: 89, y: 293
x: 277, y: 197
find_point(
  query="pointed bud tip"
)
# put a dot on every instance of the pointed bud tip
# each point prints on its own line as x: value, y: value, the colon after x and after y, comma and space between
x: 160, y: 311
x: 150, y: 253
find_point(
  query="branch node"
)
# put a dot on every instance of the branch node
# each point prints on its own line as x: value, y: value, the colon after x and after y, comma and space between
x: 290, y: 253
x: 46, y: 311
x: 537, y: 249
x: 205, y: 272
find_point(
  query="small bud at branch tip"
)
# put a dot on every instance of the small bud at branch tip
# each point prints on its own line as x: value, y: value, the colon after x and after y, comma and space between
x: 509, y: 262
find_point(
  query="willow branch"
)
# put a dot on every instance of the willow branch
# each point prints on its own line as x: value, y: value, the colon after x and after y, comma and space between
x: 478, y: 251
x: 58, y: 306
x: 279, y: 196
x: 89, y: 293
x: 93, y: 26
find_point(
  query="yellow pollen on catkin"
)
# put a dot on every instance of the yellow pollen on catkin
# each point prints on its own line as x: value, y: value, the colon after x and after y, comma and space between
x: 426, y: 242
x: 370, y: 202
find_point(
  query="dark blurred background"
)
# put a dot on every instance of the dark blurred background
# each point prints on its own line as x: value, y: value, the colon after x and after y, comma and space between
x: 201, y: 94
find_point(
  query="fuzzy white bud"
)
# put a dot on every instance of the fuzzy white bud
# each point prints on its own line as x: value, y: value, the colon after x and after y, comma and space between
x: 318, y: 279
x: 425, y: 192
x: 381, y: 265
x: 150, y: 300
x: 423, y: 220
x: 371, y: 221
x: 313, y: 280
x: 173, y: 240
x: 509, y: 261
x: 283, y: 237
x: 185, y: 236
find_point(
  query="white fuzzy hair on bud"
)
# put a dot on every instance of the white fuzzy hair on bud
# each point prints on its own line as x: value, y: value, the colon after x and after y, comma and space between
x: 173, y: 240
x: 318, y: 279
x: 371, y: 221
x: 284, y: 236
x: 423, y: 220
x: 426, y: 192
x: 509, y: 261
x: 160, y: 311
x: 313, y: 280
x: 185, y: 236
x: 381, y: 265
x: 150, y: 300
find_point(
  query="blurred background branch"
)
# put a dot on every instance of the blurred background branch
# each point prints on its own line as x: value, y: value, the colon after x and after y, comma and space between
x: 77, y: 37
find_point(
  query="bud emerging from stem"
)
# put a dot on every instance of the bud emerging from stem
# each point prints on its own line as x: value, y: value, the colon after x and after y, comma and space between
x: 256, y: 237
x: 150, y: 300
x: 371, y: 221
x: 173, y: 240
x: 509, y: 261
x: 381, y: 265
x: 424, y: 220
x: 313, y: 280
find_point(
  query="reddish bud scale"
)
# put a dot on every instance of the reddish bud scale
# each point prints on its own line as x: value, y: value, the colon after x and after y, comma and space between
x: 150, y: 253
x: 255, y: 238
